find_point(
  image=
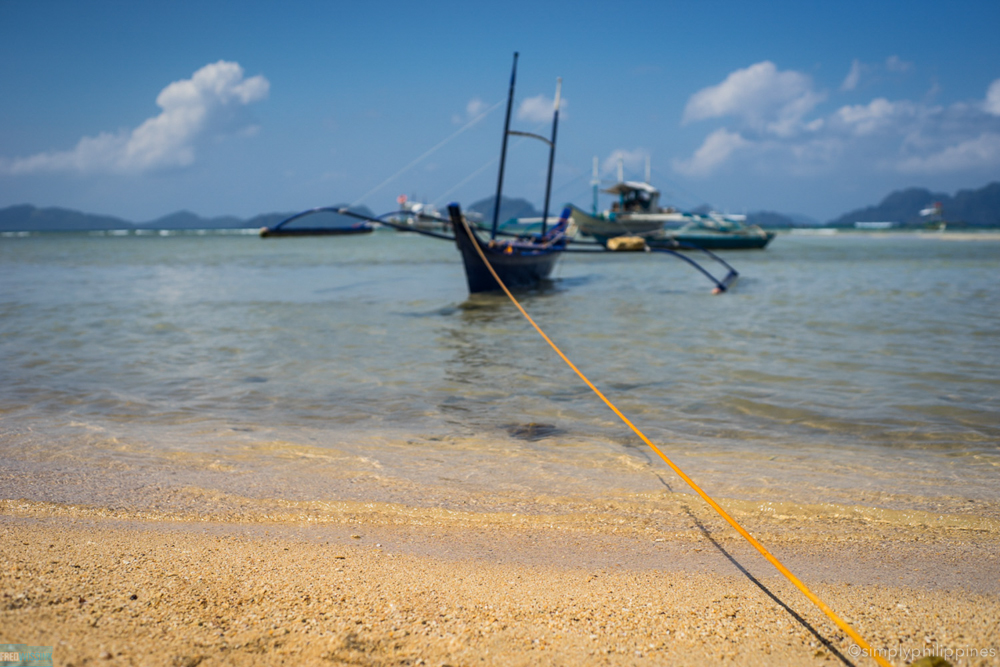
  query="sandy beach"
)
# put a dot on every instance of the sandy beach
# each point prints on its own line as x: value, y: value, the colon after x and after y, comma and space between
x: 345, y: 466
x: 368, y: 588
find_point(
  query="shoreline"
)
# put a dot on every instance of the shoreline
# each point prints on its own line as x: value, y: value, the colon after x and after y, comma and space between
x: 365, y: 591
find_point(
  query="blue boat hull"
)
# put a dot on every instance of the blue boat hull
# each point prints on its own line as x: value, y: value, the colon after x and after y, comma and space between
x: 518, y: 269
x: 519, y: 264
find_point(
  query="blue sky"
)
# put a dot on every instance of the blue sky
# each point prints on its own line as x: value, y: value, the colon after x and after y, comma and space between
x: 142, y: 109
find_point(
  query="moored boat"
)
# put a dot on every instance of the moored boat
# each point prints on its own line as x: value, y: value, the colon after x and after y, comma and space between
x: 417, y: 215
x: 637, y: 211
x: 526, y: 260
x: 413, y: 215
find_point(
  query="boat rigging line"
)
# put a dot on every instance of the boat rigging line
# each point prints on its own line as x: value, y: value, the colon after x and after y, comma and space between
x: 465, y: 180
x: 426, y: 154
x: 843, y: 625
x: 489, y: 163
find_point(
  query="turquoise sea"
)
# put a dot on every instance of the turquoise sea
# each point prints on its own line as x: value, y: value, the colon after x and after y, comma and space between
x: 202, y: 373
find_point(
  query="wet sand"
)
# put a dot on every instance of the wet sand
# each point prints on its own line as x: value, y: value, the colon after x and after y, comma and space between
x: 106, y: 588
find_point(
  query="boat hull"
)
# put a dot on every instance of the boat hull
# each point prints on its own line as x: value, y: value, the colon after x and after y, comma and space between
x: 620, y: 226
x: 713, y: 241
x: 519, y: 266
x: 316, y: 231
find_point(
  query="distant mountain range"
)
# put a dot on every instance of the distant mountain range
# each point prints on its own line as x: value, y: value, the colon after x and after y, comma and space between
x: 27, y: 218
x: 522, y: 208
x: 509, y: 208
x: 979, y: 208
x: 973, y: 208
x: 773, y: 220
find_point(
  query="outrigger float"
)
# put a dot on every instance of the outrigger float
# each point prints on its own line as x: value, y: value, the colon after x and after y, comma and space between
x: 520, y: 260
x: 279, y: 229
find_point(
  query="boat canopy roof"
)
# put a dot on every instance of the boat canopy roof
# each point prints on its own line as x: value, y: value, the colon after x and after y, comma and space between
x: 624, y: 187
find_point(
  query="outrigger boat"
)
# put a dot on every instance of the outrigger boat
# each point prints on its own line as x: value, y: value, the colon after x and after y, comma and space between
x: 523, y: 261
x: 416, y: 214
x: 520, y: 260
x: 420, y: 215
x: 637, y: 212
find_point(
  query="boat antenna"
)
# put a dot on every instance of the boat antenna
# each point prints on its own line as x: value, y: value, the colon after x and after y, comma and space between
x: 552, y: 155
x: 503, y: 149
x: 595, y: 181
x: 621, y: 179
x: 647, y: 169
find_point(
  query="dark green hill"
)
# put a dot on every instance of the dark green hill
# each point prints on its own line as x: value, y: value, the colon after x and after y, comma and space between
x: 509, y: 208
x: 27, y: 218
x: 979, y: 208
x: 771, y: 220
x: 975, y: 207
x: 189, y: 220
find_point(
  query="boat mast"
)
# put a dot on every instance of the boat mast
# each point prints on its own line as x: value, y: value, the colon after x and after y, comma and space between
x: 503, y: 149
x: 595, y: 181
x: 621, y: 179
x: 552, y: 155
x: 647, y: 170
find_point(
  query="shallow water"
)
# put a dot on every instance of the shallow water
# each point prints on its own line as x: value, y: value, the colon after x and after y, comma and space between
x: 201, y: 371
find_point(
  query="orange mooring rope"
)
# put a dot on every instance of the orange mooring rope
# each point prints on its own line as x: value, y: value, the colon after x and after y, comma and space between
x: 858, y: 639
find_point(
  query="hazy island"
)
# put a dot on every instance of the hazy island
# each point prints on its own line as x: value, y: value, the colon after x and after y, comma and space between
x: 902, y: 208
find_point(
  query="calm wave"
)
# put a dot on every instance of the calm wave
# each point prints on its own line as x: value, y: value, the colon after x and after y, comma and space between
x: 847, y: 368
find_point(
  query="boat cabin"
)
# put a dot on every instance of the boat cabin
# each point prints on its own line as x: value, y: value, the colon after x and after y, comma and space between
x: 635, y: 197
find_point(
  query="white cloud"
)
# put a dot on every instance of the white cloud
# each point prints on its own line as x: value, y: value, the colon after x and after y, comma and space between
x: 896, y: 64
x: 766, y: 99
x: 862, y: 119
x: 539, y: 109
x: 853, y: 76
x: 982, y: 151
x: 769, y: 129
x: 632, y: 160
x: 992, y: 105
x: 475, y: 107
x: 192, y: 109
x: 716, y: 149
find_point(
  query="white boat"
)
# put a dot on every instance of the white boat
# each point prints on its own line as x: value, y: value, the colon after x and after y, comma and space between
x: 420, y: 215
x: 637, y: 211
